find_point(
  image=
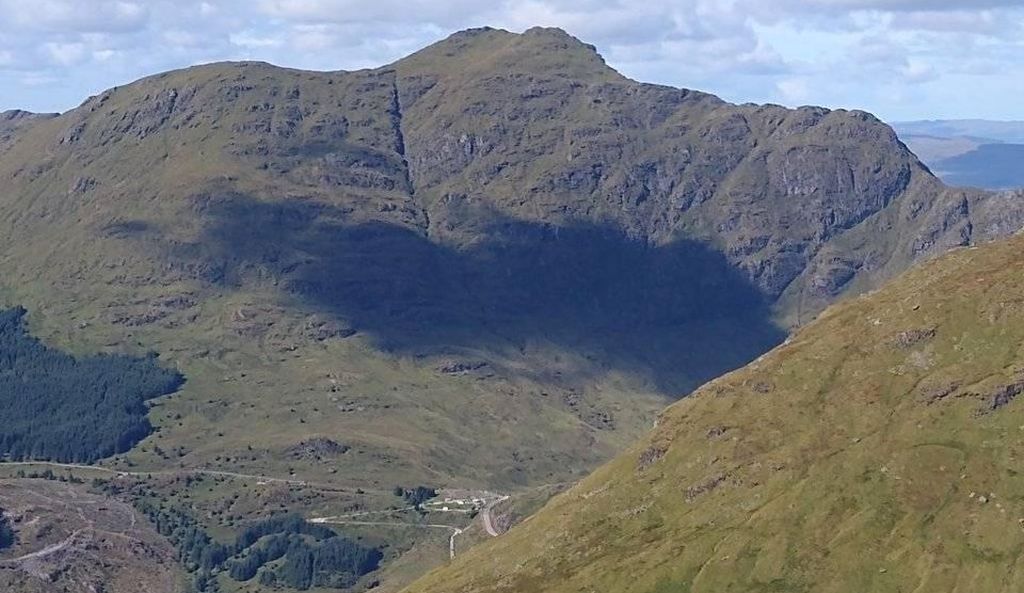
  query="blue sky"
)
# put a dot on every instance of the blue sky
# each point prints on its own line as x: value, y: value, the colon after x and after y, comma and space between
x: 901, y: 59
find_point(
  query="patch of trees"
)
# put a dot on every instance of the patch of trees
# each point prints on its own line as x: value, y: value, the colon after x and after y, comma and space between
x: 6, y: 531
x: 198, y: 553
x: 336, y: 563
x: 310, y: 555
x: 54, y: 406
x: 69, y: 478
x: 283, y: 551
x: 416, y: 496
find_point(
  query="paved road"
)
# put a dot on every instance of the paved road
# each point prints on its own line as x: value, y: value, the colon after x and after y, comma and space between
x: 487, y: 517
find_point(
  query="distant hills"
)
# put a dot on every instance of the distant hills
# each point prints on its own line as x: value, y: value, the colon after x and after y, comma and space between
x: 972, y: 153
x: 1010, y: 132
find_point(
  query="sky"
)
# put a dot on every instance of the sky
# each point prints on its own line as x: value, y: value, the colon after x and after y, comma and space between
x: 901, y: 59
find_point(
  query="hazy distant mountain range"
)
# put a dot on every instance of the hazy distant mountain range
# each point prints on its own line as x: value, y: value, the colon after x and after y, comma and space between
x: 969, y: 152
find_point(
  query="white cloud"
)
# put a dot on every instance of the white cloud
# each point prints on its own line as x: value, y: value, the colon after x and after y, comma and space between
x: 66, y: 54
x: 103, y: 55
x: 794, y: 91
x: 252, y: 40
x: 64, y: 16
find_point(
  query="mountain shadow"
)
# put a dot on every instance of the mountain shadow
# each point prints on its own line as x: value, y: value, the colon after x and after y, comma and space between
x: 676, y: 314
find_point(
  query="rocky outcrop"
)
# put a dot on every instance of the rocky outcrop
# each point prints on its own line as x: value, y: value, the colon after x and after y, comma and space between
x: 808, y: 203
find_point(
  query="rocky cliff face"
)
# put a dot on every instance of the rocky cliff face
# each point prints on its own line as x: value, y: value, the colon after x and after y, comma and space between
x: 807, y: 203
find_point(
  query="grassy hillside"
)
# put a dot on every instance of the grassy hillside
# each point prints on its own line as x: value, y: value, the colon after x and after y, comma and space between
x: 877, y: 450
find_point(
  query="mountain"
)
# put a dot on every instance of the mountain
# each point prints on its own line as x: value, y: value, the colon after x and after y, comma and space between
x: 969, y: 153
x: 877, y: 450
x: 488, y: 265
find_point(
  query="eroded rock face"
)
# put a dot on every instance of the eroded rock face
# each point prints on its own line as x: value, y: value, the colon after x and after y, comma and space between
x: 803, y: 201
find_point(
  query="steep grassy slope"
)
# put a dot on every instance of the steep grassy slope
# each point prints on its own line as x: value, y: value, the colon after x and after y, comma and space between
x: 877, y: 450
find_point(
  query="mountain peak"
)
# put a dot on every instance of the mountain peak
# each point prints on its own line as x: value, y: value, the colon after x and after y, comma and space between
x: 538, y: 49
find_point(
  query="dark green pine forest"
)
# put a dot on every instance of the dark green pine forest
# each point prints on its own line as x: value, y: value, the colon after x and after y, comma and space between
x: 54, y: 406
x: 285, y: 551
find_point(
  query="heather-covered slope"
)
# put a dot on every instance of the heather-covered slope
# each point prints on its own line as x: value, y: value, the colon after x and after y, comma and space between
x: 877, y: 450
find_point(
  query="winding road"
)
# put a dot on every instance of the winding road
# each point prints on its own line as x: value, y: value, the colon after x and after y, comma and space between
x: 487, y: 517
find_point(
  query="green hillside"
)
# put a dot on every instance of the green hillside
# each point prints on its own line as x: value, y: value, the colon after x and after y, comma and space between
x: 877, y: 450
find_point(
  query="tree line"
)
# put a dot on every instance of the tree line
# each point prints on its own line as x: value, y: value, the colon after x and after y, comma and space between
x: 416, y: 496
x: 283, y: 551
x: 54, y: 406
